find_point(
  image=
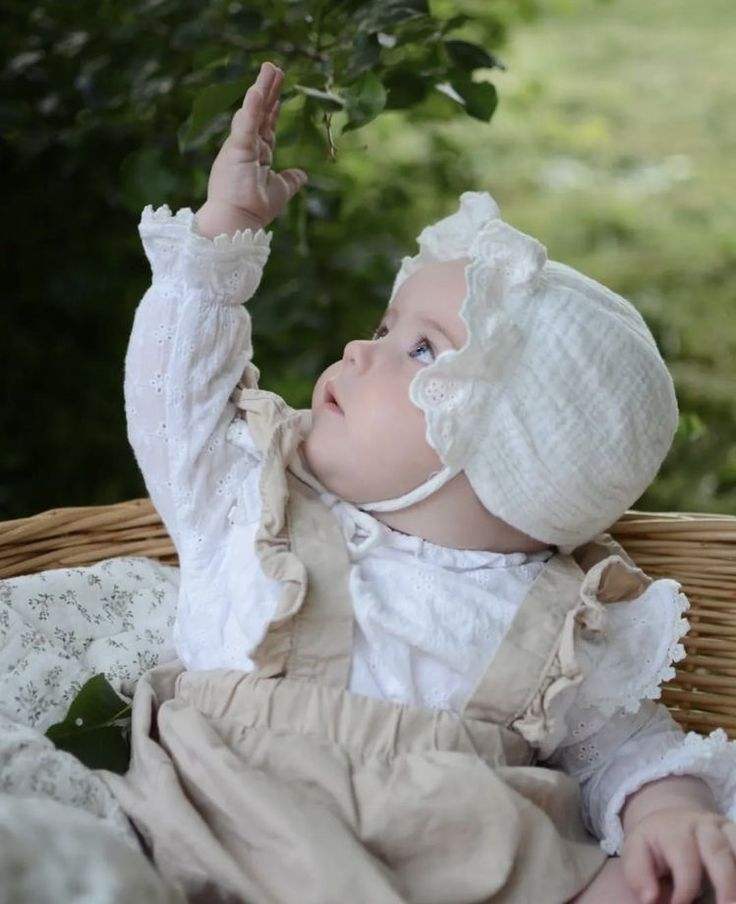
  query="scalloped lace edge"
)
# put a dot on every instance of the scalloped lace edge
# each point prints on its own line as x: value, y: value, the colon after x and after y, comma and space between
x: 675, y: 653
x: 706, y: 752
x: 163, y: 216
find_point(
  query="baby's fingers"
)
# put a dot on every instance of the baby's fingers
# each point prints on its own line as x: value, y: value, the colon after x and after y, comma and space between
x: 717, y: 845
x: 269, y: 82
x: 246, y: 123
x: 273, y: 78
x: 257, y: 115
x: 640, y: 870
x: 686, y: 869
x: 294, y: 179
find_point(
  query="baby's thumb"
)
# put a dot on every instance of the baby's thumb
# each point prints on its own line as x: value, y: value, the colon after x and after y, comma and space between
x: 294, y: 179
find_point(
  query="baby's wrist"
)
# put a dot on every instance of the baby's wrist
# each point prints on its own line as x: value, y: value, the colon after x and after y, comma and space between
x: 217, y: 218
x: 672, y: 792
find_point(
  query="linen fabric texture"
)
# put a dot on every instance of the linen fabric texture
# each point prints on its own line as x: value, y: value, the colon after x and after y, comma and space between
x: 280, y: 784
x: 189, y: 348
x: 204, y: 284
x: 559, y: 408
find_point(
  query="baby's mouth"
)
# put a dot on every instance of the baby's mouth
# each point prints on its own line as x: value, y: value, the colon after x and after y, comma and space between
x: 330, y: 400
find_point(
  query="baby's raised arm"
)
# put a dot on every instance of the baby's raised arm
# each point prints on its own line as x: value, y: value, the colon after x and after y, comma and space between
x: 191, y: 339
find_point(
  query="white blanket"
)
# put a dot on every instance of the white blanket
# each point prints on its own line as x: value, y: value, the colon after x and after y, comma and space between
x: 57, y: 629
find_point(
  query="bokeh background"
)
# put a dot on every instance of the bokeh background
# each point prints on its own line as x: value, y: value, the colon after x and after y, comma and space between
x: 613, y: 142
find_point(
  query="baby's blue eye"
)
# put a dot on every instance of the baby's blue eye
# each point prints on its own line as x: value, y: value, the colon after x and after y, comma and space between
x: 422, y: 345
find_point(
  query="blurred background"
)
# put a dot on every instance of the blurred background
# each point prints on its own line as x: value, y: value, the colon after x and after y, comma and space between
x: 605, y: 129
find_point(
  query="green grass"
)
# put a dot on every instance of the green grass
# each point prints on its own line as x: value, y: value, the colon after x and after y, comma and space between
x: 614, y: 143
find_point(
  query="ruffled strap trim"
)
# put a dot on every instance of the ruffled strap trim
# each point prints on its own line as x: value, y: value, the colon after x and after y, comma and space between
x: 641, y: 641
x: 276, y: 430
x: 599, y: 621
x: 711, y: 758
x: 543, y: 719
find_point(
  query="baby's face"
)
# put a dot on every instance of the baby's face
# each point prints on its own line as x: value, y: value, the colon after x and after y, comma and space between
x: 367, y: 440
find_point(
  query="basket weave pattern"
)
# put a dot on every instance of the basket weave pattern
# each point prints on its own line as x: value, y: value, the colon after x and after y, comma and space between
x: 698, y: 550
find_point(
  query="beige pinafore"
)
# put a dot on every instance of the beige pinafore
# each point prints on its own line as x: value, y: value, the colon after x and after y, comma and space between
x: 282, y: 786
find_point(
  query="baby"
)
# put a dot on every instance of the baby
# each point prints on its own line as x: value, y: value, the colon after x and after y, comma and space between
x: 415, y: 668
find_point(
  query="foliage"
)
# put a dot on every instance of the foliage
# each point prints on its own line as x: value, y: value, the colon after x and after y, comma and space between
x: 110, y: 106
x: 96, y: 727
x: 612, y: 144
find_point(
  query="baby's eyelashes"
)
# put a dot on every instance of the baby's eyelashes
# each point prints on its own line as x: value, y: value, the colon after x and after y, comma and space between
x: 421, y: 345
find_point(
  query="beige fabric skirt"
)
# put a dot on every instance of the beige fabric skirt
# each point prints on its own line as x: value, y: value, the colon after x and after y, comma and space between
x: 281, y: 790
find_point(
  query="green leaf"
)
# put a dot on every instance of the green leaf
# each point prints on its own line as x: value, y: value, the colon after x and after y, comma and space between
x: 471, y: 56
x: 417, y: 32
x: 104, y: 747
x: 480, y: 98
x: 95, y: 727
x: 146, y: 179
x: 209, y: 104
x: 690, y: 426
x: 96, y: 702
x: 405, y: 88
x: 455, y: 22
x: 366, y: 53
x: 325, y: 100
x: 364, y: 100
x: 383, y: 15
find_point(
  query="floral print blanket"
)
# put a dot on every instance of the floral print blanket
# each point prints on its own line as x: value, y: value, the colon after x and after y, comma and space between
x: 57, y: 629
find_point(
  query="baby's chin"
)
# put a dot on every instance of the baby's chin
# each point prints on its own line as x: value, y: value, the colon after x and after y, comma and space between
x: 345, y: 485
x: 321, y: 469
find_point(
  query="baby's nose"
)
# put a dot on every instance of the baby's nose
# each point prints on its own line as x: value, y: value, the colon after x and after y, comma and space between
x: 357, y: 352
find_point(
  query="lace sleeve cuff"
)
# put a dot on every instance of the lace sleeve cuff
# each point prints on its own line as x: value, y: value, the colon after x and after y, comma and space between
x: 711, y: 758
x: 164, y: 235
x: 226, y: 270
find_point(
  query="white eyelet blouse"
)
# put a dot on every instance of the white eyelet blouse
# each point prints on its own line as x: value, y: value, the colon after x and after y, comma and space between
x: 427, y: 618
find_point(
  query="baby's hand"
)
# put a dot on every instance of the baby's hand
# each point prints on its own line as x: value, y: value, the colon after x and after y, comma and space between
x: 243, y: 192
x: 681, y: 843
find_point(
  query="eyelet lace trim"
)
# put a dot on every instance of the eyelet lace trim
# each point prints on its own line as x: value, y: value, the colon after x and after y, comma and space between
x: 184, y: 217
x: 641, y: 642
x: 225, y: 270
x: 543, y: 719
x: 602, y: 638
x: 711, y: 758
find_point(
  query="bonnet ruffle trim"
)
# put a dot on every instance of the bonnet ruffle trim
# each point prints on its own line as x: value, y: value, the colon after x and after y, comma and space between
x: 505, y: 269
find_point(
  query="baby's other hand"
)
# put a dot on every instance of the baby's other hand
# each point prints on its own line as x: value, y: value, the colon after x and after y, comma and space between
x: 683, y: 844
x: 243, y: 191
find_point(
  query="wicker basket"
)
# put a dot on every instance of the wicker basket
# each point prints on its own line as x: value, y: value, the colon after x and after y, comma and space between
x: 698, y: 550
